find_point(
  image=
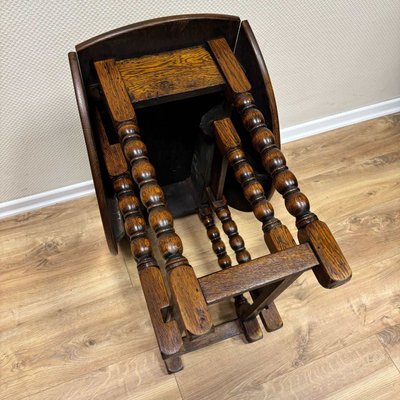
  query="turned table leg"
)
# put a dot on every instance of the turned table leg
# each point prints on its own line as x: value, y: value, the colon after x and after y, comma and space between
x: 167, y: 332
x: 333, y: 269
x: 276, y: 236
x: 184, y: 285
x: 251, y: 328
x: 269, y: 315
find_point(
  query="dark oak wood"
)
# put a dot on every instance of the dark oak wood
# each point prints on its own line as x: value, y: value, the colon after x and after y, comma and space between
x: 170, y: 73
x: 271, y: 318
x: 168, y: 34
x: 227, y: 61
x: 249, y: 55
x: 231, y: 230
x: 242, y: 255
x: 220, y: 332
x: 276, y: 236
x: 251, y: 327
x: 334, y: 269
x: 110, y: 226
x: 173, y: 364
x: 115, y: 92
x: 155, y: 36
x: 183, y: 282
x: 257, y: 273
x: 268, y: 295
x: 167, y: 332
x: 218, y: 246
x: 262, y: 138
x: 174, y: 75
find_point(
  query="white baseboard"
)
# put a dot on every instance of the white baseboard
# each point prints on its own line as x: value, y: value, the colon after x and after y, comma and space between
x: 310, y: 128
x: 45, y: 199
x: 340, y: 120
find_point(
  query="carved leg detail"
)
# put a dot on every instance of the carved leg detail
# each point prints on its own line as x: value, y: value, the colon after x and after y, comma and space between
x: 230, y: 228
x: 334, y: 269
x: 273, y: 160
x: 251, y: 327
x: 277, y: 236
x: 167, y: 333
x: 183, y: 282
x: 218, y: 246
x: 193, y: 308
x: 271, y: 318
x: 267, y: 314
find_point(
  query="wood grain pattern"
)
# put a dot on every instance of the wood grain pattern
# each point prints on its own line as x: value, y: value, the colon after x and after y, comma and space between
x: 170, y: 73
x: 154, y: 36
x: 226, y: 60
x: 137, y: 377
x: 257, y: 273
x: 251, y: 327
x: 154, y: 289
x: 390, y: 338
x: 94, y: 162
x: 322, y: 378
x: 73, y: 325
x: 114, y: 90
x: 185, y: 288
x: 334, y: 269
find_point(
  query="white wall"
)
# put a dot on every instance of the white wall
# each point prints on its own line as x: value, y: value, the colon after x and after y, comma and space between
x: 324, y: 57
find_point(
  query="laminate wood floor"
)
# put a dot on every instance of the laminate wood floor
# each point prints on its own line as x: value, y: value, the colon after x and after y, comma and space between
x: 74, y: 324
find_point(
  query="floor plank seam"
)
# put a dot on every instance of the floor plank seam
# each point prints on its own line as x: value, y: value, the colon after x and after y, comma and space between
x: 179, y: 387
x: 154, y: 348
x: 127, y: 271
x: 312, y: 361
x: 387, y: 352
x: 358, y: 194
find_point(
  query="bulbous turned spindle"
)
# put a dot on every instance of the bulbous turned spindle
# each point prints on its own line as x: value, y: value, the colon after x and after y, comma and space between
x: 135, y: 225
x: 334, y: 270
x: 230, y: 228
x: 206, y: 217
x: 185, y: 288
x: 238, y: 89
x: 273, y: 160
x: 230, y: 146
x: 251, y: 327
x: 276, y: 236
x: 167, y: 333
x: 152, y: 196
x: 193, y: 308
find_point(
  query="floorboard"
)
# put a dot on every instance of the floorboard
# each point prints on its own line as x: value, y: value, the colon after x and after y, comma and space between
x: 74, y: 324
